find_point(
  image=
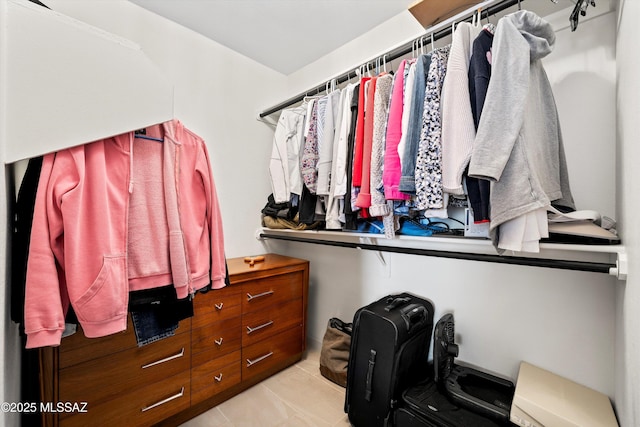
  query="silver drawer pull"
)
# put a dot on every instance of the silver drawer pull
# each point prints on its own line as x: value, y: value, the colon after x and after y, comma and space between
x: 257, y: 328
x: 218, y: 341
x: 264, y: 294
x: 218, y: 377
x: 162, y: 402
x: 219, y: 305
x: 166, y: 359
x: 259, y: 359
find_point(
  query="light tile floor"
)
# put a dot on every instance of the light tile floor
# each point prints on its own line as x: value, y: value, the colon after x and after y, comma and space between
x: 296, y: 397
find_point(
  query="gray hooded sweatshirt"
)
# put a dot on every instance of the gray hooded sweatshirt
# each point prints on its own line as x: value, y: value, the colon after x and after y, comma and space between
x: 518, y: 146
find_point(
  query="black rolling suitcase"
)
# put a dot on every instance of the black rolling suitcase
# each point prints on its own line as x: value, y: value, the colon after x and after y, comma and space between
x: 389, y: 352
x: 423, y: 405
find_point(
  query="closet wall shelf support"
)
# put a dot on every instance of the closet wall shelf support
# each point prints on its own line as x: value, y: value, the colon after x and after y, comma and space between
x: 622, y: 265
x: 608, y: 259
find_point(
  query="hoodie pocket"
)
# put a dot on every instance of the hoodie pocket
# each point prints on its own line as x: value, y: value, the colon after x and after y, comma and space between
x: 106, y: 298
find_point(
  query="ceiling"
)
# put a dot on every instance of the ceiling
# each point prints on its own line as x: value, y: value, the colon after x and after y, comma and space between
x: 284, y: 35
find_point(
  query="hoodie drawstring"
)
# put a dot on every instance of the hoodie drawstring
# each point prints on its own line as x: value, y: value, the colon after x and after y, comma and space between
x: 130, y: 164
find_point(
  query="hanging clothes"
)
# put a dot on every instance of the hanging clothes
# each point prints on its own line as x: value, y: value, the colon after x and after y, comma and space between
x: 326, y: 136
x: 458, y: 130
x: 327, y: 168
x: 519, y: 142
x: 409, y: 153
x: 480, y: 71
x: 334, y: 217
x: 479, y: 76
x: 364, y: 196
x: 523, y: 233
x: 428, y: 175
x: 392, y: 168
x: 378, y: 205
x: 341, y: 168
x: 359, y: 136
x: 311, y: 150
x: 19, y: 251
x: 308, y: 199
x: 406, y: 112
x: 350, y: 216
x: 78, y: 252
x: 396, y: 120
x: 284, y: 167
x: 22, y: 221
x: 333, y: 107
x: 306, y: 207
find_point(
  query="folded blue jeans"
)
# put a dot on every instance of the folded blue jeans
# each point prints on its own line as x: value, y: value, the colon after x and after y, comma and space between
x: 149, y: 329
x: 156, y: 312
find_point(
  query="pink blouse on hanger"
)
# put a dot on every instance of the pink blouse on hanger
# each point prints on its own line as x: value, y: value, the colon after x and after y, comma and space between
x: 392, y: 169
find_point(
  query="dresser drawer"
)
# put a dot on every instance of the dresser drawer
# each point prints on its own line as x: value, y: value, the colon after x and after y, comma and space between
x: 265, y: 323
x: 216, y: 305
x: 270, y: 353
x: 269, y: 291
x: 99, y: 379
x: 143, y: 407
x: 218, y: 338
x: 215, y: 376
x: 77, y: 348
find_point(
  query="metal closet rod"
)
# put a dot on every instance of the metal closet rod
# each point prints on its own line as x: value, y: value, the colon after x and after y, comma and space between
x: 594, y: 267
x: 389, y: 56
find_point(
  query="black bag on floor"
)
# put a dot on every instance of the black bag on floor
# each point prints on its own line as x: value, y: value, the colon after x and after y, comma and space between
x: 423, y: 405
x: 467, y: 387
x: 389, y: 352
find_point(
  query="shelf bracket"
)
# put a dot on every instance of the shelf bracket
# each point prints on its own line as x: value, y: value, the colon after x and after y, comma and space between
x: 622, y: 265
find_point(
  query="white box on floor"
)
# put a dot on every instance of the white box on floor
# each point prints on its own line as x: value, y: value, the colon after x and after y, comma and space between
x: 544, y: 399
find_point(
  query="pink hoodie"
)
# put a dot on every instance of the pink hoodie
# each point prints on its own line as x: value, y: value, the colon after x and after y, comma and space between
x: 80, y: 253
x: 392, y: 169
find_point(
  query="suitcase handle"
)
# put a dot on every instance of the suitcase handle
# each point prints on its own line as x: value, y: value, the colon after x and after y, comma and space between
x: 414, y: 315
x: 395, y: 302
x: 368, y: 384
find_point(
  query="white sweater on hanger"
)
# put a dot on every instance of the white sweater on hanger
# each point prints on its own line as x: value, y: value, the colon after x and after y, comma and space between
x: 325, y: 144
x: 458, y: 130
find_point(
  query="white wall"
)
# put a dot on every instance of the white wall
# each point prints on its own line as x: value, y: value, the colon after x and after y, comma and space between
x: 562, y: 321
x: 53, y: 73
x: 384, y: 37
x: 218, y: 94
x: 582, y: 71
x: 628, y: 296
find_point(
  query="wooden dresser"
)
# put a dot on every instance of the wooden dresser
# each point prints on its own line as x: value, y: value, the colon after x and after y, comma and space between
x: 237, y: 337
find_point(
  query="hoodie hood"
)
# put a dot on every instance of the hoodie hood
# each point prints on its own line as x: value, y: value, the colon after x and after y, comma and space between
x: 536, y: 31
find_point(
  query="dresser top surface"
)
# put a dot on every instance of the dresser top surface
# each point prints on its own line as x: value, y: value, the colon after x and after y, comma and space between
x: 238, y: 266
